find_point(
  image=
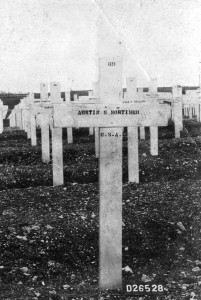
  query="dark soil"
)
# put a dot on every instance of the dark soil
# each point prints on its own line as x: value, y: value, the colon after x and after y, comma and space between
x: 49, y: 235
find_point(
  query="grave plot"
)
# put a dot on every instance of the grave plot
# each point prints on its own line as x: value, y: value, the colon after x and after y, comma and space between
x: 40, y: 226
x: 48, y: 234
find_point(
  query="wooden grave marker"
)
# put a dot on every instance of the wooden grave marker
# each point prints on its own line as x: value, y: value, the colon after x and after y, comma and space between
x: 111, y: 116
x: 142, y: 128
x: 44, y: 92
x: 132, y: 135
x: 69, y: 129
x: 57, y: 146
x: 153, y: 129
x: 44, y: 120
x: 177, y: 110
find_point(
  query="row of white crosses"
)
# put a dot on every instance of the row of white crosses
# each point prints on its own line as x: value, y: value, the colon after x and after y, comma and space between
x: 3, y: 113
x: 109, y: 116
x: 43, y: 109
x: 31, y: 113
x: 20, y: 115
x: 183, y: 105
x: 132, y: 96
x: 133, y: 160
x: 39, y: 111
x: 192, y: 104
x: 173, y: 98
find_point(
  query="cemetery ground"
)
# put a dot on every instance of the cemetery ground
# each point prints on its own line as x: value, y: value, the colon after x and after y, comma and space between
x: 49, y: 235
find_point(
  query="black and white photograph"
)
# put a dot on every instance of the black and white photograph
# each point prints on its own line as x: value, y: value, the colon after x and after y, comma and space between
x: 100, y: 149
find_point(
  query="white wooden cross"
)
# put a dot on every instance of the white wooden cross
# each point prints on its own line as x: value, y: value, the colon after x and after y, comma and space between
x: 69, y: 129
x: 33, y: 112
x: 110, y: 116
x: 133, y: 97
x: 132, y: 132
x: 177, y: 110
x: 45, y: 118
x: 24, y: 107
x: 175, y: 99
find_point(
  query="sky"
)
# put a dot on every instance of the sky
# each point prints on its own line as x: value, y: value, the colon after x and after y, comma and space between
x: 56, y: 40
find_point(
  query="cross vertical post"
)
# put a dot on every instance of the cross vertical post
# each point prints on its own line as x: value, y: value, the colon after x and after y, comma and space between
x: 33, y: 130
x: 177, y: 110
x: 110, y: 181
x: 45, y: 138
x: 57, y: 156
x: 69, y: 129
x: 132, y: 135
x: 153, y: 129
x: 57, y: 144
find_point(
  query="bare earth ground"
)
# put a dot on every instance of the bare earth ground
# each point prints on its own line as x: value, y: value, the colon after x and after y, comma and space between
x: 49, y: 235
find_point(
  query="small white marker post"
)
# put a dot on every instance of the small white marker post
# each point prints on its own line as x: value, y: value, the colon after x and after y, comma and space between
x: 57, y: 145
x: 44, y: 92
x: 69, y: 129
x: 24, y: 109
x: 142, y: 128
x: 154, y: 140
x: 26, y: 120
x: 33, y: 110
x: 70, y: 135
x: 153, y: 129
x: 57, y: 156
x: 29, y: 125
x: 91, y: 129
x: 45, y: 138
x: 190, y: 112
x: 142, y: 133
x: 198, y: 112
x: 19, y: 118
x: 44, y: 120
x: 23, y: 120
x: 132, y: 135
x: 133, y: 159
x: 177, y: 110
x: 15, y: 120
x: 33, y: 130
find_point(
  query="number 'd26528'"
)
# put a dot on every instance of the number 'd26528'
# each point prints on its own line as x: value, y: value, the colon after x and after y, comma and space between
x: 145, y: 288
